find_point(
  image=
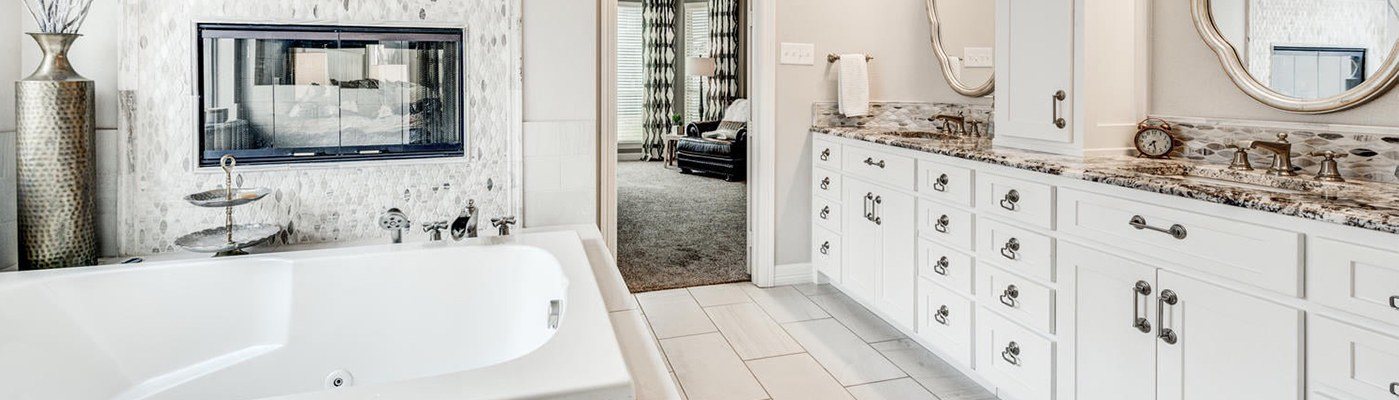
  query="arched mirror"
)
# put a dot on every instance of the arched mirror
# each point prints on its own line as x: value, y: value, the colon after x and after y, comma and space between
x: 1304, y: 56
x: 964, y: 36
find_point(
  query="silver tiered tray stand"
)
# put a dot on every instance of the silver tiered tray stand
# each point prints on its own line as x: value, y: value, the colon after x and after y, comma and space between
x: 230, y: 239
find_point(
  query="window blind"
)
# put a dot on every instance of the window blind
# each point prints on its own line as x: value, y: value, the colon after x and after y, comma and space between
x: 696, y: 45
x: 631, y: 83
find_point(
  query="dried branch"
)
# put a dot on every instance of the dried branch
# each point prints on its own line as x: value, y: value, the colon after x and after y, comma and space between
x: 58, y: 16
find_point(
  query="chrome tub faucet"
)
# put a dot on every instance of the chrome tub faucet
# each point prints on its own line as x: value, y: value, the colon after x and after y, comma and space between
x: 465, y: 225
x: 396, y: 222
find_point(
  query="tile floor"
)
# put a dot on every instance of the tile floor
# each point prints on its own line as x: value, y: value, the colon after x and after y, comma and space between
x: 741, y: 342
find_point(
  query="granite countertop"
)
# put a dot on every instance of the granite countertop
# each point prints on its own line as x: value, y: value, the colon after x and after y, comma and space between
x: 1366, y: 205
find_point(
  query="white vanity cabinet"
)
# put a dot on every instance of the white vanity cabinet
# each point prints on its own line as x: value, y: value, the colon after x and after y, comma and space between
x: 1070, y: 73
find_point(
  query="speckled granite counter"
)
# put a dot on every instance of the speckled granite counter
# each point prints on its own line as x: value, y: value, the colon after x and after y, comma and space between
x: 1367, y: 205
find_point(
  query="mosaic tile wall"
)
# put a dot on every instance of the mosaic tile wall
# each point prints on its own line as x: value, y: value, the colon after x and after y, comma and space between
x: 1373, y: 152
x: 902, y: 116
x: 314, y: 203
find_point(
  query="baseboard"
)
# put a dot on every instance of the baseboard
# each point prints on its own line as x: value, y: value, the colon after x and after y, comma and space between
x: 10, y: 268
x: 792, y: 274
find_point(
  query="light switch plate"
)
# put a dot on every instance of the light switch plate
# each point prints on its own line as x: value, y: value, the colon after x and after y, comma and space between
x: 798, y: 54
x: 979, y: 57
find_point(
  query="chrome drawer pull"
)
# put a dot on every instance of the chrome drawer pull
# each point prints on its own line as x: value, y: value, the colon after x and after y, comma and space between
x: 941, y: 267
x: 1394, y: 302
x: 826, y: 212
x: 1010, y: 295
x: 1011, y: 201
x: 826, y: 183
x: 826, y: 155
x: 941, y: 316
x: 1012, y: 249
x: 870, y: 162
x: 943, y: 223
x: 1012, y: 354
x: 1058, y: 98
x: 941, y: 184
x: 826, y: 249
x: 1140, y: 290
x: 1176, y: 231
x: 1168, y: 297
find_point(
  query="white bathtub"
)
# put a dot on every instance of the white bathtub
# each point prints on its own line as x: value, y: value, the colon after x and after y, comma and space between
x: 419, y: 321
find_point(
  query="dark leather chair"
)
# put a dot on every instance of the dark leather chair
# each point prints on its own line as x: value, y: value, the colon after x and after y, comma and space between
x: 729, y: 158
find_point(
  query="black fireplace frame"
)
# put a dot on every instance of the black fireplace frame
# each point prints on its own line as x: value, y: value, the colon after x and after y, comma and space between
x: 285, y: 156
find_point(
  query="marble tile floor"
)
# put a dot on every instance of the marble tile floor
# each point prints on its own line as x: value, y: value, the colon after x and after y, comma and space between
x: 741, y: 342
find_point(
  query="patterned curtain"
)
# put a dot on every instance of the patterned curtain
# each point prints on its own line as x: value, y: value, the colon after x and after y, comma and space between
x: 724, y: 33
x: 659, y: 58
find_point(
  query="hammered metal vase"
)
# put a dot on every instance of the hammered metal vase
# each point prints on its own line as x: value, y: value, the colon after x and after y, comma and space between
x: 55, y: 116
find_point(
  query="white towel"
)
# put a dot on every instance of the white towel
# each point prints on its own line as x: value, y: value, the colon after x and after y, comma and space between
x: 854, y: 91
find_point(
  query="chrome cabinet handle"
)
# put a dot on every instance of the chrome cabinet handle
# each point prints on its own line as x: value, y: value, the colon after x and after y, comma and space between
x: 1011, y: 249
x: 878, y: 216
x: 1176, y: 231
x: 1012, y: 353
x: 1011, y: 201
x: 826, y: 183
x: 826, y: 248
x: 826, y: 212
x: 870, y: 162
x: 1059, y: 120
x: 1010, y: 296
x: 941, y: 267
x: 941, y: 184
x: 826, y: 155
x: 1394, y: 302
x: 943, y: 223
x: 941, y: 316
x: 1140, y: 290
x: 872, y: 203
x: 1168, y: 297
x: 869, y: 198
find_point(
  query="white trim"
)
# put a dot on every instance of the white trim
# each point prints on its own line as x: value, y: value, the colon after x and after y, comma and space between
x: 792, y: 274
x: 607, y: 123
x: 762, y: 148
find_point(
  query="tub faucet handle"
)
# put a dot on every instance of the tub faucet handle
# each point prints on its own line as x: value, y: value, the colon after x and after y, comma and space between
x: 503, y: 224
x: 396, y: 222
x: 434, y: 230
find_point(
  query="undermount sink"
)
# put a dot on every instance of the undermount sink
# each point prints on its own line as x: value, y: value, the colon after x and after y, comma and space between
x: 1249, y: 180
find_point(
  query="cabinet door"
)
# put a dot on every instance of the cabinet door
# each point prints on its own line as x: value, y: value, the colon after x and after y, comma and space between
x: 861, y: 254
x: 1034, y: 61
x: 898, y: 277
x: 1229, y: 345
x: 1115, y: 359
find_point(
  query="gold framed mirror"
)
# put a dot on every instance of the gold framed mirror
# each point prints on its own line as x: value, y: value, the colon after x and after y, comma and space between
x: 1307, y: 56
x: 971, y: 24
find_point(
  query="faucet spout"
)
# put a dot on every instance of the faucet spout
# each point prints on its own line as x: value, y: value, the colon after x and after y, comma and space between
x: 465, y: 225
x: 1282, y: 155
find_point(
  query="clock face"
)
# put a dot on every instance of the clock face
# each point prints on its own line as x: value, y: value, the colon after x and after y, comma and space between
x: 1154, y: 142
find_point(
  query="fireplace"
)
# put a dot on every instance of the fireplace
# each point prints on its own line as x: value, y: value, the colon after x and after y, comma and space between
x: 281, y: 94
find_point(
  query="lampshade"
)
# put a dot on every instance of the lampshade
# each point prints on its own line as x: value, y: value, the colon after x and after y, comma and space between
x: 701, y: 66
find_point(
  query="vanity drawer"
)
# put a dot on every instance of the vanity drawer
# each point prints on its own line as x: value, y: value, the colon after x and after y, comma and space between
x: 953, y: 185
x: 1018, y: 362
x: 1018, y: 250
x: 1350, y: 360
x: 826, y: 184
x: 825, y: 253
x: 945, y: 321
x: 947, y: 267
x: 946, y: 224
x: 1258, y: 255
x: 826, y: 213
x: 1358, y: 279
x: 826, y: 154
x: 1017, y: 200
x: 880, y: 167
x: 1020, y: 299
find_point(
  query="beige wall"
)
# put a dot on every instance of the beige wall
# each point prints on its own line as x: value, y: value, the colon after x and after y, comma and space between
x: 1187, y: 80
x: 895, y: 32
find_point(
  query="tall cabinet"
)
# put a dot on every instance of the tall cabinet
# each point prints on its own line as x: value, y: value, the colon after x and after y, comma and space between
x: 1071, y: 74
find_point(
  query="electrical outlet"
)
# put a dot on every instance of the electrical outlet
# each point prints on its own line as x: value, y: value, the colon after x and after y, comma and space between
x: 979, y: 57
x: 798, y: 54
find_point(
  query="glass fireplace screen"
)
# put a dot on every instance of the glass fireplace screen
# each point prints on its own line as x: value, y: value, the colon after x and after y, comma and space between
x: 289, y: 94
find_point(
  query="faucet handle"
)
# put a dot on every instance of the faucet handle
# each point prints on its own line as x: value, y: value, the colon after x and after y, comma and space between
x: 1241, y: 161
x: 1282, y: 137
x: 1329, y: 155
x: 1330, y: 169
x: 503, y: 224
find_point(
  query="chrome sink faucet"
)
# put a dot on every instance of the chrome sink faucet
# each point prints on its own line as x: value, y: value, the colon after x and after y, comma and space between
x: 1282, y: 155
x: 465, y: 225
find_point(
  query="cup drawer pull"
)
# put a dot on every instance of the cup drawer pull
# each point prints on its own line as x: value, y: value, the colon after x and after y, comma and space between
x: 1011, y: 249
x: 1012, y: 354
x: 826, y: 248
x: 826, y: 184
x: 1010, y: 296
x: 826, y: 155
x: 943, y: 224
x: 1176, y: 231
x: 941, y: 184
x: 941, y: 267
x: 941, y: 316
x: 826, y: 212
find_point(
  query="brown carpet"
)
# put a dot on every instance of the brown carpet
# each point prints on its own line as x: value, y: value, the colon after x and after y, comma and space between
x: 676, y: 230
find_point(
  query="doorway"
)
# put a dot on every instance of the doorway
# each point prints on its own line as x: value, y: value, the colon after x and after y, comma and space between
x: 680, y: 122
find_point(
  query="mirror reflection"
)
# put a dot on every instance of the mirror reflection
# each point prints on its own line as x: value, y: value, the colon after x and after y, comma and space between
x: 1309, y: 49
x: 964, y: 34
